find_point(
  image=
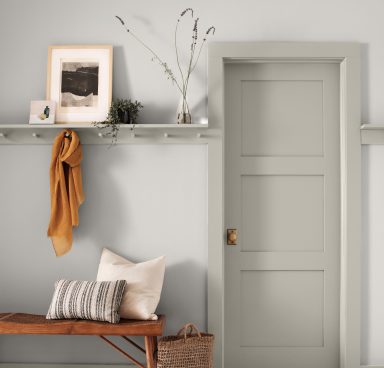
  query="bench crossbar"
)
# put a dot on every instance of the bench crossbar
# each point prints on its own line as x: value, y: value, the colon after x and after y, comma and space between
x: 133, y: 360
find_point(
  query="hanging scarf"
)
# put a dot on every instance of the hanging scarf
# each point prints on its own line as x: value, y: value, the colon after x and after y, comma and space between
x: 66, y: 189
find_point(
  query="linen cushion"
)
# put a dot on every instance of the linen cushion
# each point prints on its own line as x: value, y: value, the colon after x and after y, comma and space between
x: 99, y: 301
x: 144, y: 283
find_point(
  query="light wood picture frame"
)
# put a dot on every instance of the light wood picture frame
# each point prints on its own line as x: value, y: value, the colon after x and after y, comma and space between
x: 79, y: 80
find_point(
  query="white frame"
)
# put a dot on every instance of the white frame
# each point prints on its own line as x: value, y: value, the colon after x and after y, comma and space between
x: 35, y: 119
x: 100, y: 53
x: 348, y: 56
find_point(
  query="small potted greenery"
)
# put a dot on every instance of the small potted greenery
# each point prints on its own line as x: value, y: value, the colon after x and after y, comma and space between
x: 122, y: 111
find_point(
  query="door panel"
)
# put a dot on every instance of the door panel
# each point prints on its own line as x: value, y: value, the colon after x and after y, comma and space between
x: 279, y: 294
x: 282, y: 193
x: 267, y: 203
x: 293, y: 126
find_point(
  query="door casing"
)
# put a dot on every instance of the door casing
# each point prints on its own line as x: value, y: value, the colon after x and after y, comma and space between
x: 347, y: 55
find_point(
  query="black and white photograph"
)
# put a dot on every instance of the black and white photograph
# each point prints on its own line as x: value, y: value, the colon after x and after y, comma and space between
x: 42, y: 112
x: 79, y: 80
x: 79, y: 84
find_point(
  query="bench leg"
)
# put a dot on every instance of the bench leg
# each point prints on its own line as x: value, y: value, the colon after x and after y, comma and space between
x: 155, y: 348
x: 150, y: 350
x: 155, y: 343
x: 109, y: 342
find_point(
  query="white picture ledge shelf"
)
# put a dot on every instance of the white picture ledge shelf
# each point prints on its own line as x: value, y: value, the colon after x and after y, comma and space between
x: 139, y: 133
x: 128, y: 134
x: 372, y: 134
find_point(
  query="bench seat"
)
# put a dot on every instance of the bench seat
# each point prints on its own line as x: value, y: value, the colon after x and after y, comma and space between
x: 32, y: 324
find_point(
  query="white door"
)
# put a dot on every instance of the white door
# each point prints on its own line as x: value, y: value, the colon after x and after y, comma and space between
x: 282, y: 178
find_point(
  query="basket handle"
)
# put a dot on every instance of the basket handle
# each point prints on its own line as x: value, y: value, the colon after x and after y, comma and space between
x: 191, y: 327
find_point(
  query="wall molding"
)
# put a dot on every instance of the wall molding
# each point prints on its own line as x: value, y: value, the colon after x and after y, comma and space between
x: 26, y: 365
x: 372, y: 134
x: 19, y: 134
x: 348, y: 57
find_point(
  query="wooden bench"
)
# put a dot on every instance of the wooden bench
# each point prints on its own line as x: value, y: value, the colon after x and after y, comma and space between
x: 31, y: 324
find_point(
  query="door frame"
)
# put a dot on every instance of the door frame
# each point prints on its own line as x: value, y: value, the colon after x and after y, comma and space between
x: 348, y: 57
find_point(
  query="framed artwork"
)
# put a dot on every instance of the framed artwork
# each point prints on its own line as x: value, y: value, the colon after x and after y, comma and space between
x: 80, y: 82
x: 42, y: 112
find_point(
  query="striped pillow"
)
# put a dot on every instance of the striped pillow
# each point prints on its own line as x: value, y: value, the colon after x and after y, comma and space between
x: 95, y: 300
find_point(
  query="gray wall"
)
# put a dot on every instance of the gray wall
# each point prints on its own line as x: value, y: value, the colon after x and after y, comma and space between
x: 151, y: 200
x: 141, y: 201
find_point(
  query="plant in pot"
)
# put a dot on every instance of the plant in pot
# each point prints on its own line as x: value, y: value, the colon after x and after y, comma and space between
x: 122, y: 111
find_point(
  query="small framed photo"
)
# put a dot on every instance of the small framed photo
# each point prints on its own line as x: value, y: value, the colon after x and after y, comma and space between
x: 80, y: 82
x: 42, y: 112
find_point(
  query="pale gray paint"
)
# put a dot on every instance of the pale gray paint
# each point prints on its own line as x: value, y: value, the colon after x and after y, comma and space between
x: 281, y: 309
x: 268, y: 200
x: 348, y: 57
x: 269, y: 137
x: 25, y: 134
x: 282, y: 279
x: 141, y: 202
x: 26, y: 28
x: 372, y: 134
x: 15, y: 365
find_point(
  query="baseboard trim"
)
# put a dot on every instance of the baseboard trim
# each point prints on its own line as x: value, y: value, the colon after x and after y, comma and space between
x: 17, y: 365
x: 26, y: 365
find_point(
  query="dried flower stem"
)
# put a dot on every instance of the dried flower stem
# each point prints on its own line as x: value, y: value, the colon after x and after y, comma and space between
x: 177, y: 55
x: 193, y: 58
x: 167, y: 70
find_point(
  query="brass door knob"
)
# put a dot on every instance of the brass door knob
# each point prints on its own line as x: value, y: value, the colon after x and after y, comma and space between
x: 231, y: 236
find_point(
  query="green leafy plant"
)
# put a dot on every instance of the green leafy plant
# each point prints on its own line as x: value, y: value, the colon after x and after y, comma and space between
x: 122, y: 111
x: 196, y: 46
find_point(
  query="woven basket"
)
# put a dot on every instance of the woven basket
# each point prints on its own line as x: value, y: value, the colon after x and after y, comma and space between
x: 186, y: 350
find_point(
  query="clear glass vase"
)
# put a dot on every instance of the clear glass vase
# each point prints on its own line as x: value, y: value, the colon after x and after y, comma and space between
x: 183, y: 112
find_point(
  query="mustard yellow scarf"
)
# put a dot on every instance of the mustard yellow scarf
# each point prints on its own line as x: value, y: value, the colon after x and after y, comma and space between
x: 66, y: 189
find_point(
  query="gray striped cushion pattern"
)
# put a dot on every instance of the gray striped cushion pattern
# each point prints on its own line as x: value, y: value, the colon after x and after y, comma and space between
x: 94, y: 300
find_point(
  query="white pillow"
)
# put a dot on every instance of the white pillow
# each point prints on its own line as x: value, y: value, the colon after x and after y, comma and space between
x: 144, y: 283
